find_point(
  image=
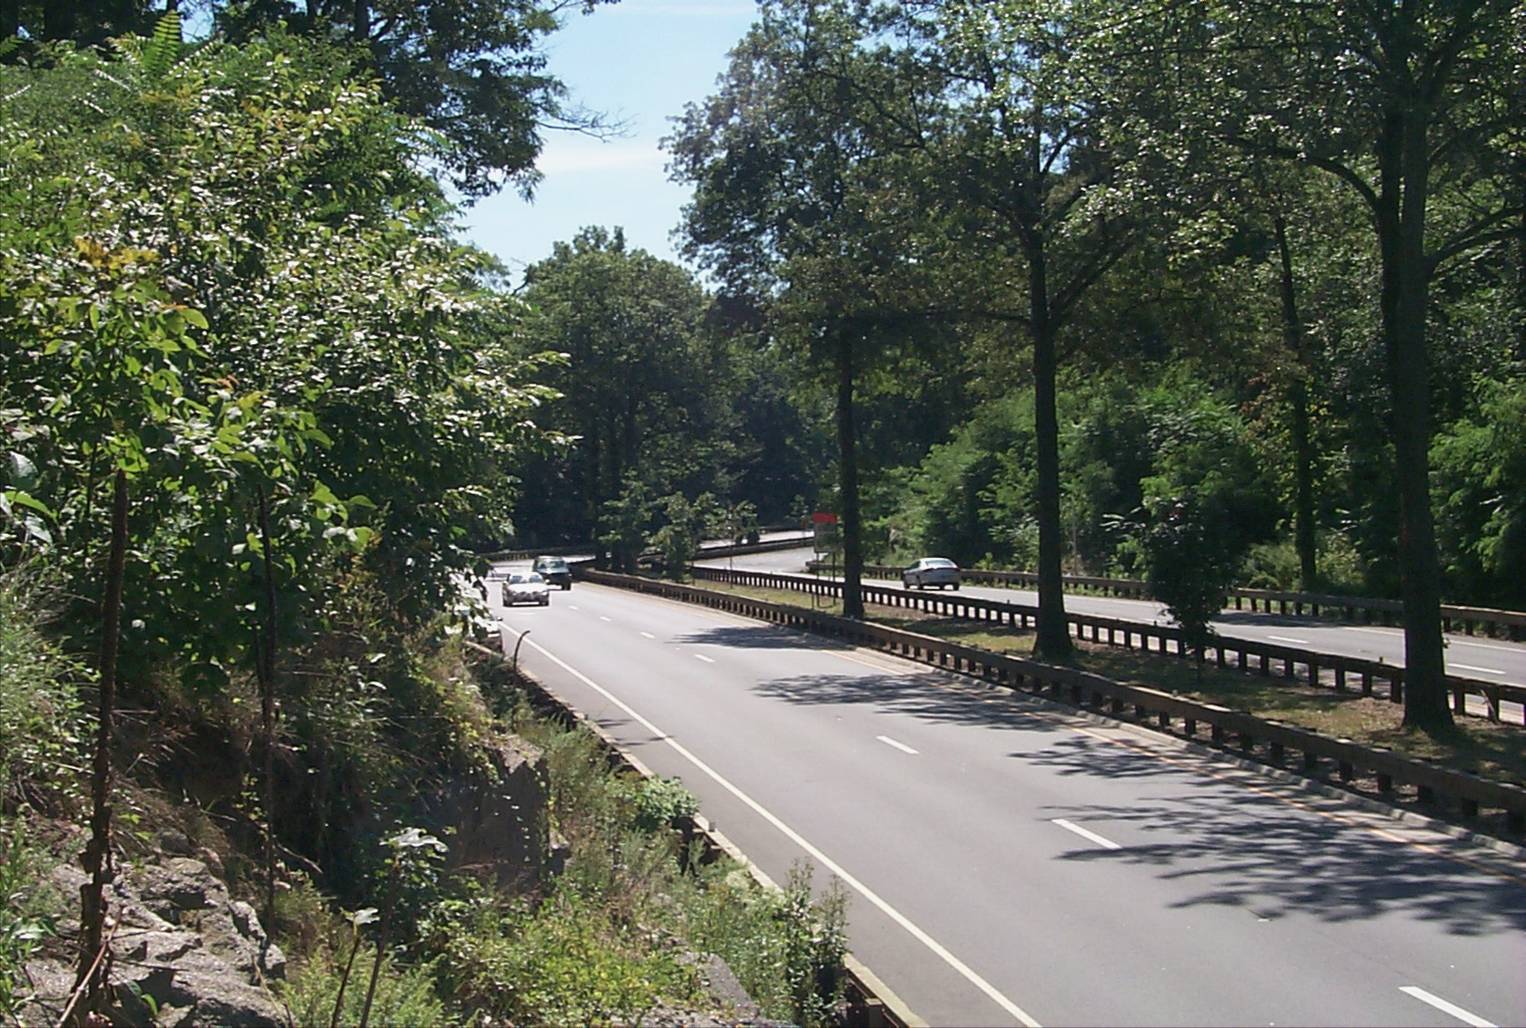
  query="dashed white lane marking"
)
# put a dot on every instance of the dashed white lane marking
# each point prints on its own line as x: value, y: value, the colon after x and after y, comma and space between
x: 648, y: 635
x: 1071, y: 826
x: 1481, y: 670
x: 707, y: 660
x: 888, y: 741
x: 573, y: 606
x: 1289, y: 639
x: 1452, y: 640
x: 1446, y: 1008
x: 603, y: 618
x: 827, y: 862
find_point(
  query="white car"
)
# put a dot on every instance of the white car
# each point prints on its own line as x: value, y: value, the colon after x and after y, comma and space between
x: 526, y: 587
x: 939, y: 571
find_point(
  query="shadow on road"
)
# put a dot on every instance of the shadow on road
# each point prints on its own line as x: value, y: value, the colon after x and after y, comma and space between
x: 1231, y: 846
x: 1239, y: 849
x: 760, y: 637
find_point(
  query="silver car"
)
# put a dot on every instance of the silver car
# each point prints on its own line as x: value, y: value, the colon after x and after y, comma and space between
x: 526, y: 587
x: 939, y: 571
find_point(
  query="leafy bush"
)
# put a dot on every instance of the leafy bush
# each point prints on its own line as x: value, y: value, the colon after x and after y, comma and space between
x: 27, y: 909
x: 565, y: 963
x: 42, y: 725
x: 663, y: 803
x: 405, y: 995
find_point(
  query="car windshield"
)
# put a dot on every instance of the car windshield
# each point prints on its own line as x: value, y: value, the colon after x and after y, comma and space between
x: 553, y: 564
x: 938, y: 562
x: 529, y: 579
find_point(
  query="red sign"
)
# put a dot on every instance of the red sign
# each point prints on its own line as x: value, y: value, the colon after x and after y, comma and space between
x: 823, y: 517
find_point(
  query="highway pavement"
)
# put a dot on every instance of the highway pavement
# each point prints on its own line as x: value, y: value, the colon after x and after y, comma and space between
x: 1489, y: 660
x: 1011, y: 861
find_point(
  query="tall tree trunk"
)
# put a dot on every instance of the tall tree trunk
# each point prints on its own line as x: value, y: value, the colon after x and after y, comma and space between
x: 360, y: 17
x: 266, y: 664
x: 847, y: 459
x: 1053, y: 638
x: 1520, y: 262
x: 1298, y: 398
x: 1403, y: 162
x: 96, y: 860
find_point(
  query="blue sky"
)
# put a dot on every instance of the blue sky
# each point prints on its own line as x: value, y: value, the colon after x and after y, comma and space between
x: 638, y: 60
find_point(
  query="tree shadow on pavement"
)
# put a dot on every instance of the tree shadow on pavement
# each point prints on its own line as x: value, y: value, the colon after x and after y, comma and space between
x: 1229, y: 846
x: 764, y: 637
x: 1223, y: 844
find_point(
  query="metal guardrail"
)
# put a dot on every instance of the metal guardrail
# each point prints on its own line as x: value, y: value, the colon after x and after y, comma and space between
x: 1509, y: 623
x: 869, y: 1002
x: 1254, y: 736
x: 1338, y: 672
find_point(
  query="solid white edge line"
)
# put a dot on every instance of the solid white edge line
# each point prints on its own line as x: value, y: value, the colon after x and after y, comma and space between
x: 707, y: 660
x: 888, y: 741
x: 1071, y: 826
x: 1482, y: 670
x: 968, y: 973
x: 1289, y: 639
x: 1445, y: 1007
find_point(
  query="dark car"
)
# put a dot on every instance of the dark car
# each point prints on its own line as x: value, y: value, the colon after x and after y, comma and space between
x: 554, y: 570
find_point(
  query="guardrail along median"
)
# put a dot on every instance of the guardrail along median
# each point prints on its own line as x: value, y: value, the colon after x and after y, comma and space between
x: 1272, y: 742
x: 1491, y: 621
x: 1343, y: 674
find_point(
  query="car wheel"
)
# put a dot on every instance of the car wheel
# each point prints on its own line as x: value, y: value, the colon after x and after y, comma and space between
x: 546, y: 602
x: 956, y: 587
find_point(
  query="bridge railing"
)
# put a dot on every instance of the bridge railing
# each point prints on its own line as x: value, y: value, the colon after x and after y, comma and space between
x: 1471, y: 620
x: 1341, y: 673
x: 1271, y: 741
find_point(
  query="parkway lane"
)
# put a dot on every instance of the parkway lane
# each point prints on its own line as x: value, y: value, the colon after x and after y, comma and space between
x: 1011, y: 861
x: 1489, y: 660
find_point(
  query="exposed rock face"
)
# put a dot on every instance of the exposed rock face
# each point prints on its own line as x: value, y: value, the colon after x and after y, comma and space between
x: 199, y: 955
x: 496, y: 820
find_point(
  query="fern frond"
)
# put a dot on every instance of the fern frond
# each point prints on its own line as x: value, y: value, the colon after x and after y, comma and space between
x: 163, y: 48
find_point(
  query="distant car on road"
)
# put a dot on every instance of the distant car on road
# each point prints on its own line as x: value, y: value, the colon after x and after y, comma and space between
x: 526, y: 587
x: 554, y: 570
x: 939, y: 571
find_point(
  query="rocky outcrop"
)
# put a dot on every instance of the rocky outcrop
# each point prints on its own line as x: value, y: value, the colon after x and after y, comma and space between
x: 184, y: 952
x: 496, y: 817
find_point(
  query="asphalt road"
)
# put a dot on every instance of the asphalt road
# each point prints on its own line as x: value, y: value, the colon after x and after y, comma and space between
x: 1490, y: 660
x: 1009, y: 861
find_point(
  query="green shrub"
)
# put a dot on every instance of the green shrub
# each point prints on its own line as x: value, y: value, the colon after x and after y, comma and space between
x: 404, y: 994
x: 565, y: 963
x: 28, y: 909
x: 662, y: 803
x: 42, y: 725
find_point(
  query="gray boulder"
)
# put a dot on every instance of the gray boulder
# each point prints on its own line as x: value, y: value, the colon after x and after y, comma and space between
x: 184, y: 952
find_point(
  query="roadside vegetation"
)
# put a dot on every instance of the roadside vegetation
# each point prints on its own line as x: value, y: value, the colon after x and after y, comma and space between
x: 257, y: 404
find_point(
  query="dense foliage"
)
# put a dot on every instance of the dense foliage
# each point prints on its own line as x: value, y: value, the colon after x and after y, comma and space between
x: 1305, y: 228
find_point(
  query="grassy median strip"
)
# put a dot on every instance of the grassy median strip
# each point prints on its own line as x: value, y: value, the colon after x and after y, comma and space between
x: 1492, y: 750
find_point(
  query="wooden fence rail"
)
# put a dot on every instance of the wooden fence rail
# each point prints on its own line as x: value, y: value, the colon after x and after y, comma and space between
x: 1341, y: 673
x: 1492, y: 622
x: 1272, y: 741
